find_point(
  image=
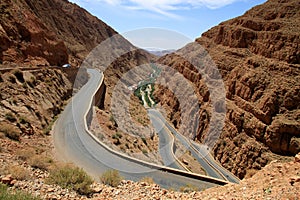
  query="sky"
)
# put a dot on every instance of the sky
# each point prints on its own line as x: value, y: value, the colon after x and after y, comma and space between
x: 188, y: 18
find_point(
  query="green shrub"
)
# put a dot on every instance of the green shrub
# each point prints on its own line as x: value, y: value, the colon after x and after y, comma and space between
x: 70, y: 177
x: 31, y: 82
x: 18, y: 195
x: 144, y: 151
x: 112, y: 120
x: 111, y: 177
x: 48, y: 128
x: 46, y: 131
x: 24, y: 85
x: 144, y: 140
x: 117, y: 135
x: 268, y: 190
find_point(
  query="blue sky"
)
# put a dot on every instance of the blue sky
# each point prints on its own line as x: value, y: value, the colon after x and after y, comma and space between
x: 189, y: 17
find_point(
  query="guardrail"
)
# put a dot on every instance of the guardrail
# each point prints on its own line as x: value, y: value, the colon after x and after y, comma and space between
x: 219, y: 164
x: 172, y: 150
x: 196, y: 150
x: 144, y: 163
x: 192, y: 146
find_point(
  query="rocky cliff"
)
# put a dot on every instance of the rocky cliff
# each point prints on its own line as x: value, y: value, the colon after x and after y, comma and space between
x: 257, y: 55
x: 77, y: 28
x: 24, y: 38
x: 48, y: 32
x: 41, y: 33
x: 30, y: 100
x: 52, y: 33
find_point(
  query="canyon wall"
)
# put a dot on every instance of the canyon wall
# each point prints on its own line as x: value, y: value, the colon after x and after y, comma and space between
x: 39, y: 37
x: 257, y: 56
x: 30, y: 100
x: 46, y: 33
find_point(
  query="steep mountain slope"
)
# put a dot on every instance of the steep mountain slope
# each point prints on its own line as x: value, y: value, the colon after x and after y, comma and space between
x: 51, y: 33
x: 24, y: 37
x: 257, y: 55
x: 48, y: 32
x: 35, y: 33
x: 30, y: 99
x: 35, y: 36
x: 79, y: 30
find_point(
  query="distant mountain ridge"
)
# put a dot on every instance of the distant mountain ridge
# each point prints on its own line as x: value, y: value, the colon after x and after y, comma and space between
x: 160, y: 52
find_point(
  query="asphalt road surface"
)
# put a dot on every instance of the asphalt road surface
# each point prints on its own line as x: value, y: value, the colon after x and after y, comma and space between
x: 200, y: 152
x: 73, y: 143
x: 166, y: 143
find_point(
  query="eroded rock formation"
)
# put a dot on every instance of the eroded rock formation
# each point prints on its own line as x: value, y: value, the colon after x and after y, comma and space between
x: 257, y: 55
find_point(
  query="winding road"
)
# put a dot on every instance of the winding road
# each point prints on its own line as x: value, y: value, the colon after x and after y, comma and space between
x: 74, y: 143
x: 166, y: 144
x: 200, y: 152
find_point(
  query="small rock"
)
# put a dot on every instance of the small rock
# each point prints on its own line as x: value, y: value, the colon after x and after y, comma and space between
x: 143, y: 184
x: 97, y: 189
x: 7, y: 179
x: 297, y: 158
x: 53, y: 198
x: 50, y: 190
x: 273, y: 161
x: 294, y: 179
x: 13, y: 182
x: 164, y: 192
x: 185, y: 162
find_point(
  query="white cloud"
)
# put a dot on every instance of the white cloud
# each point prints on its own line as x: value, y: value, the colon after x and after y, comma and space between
x: 168, y: 5
x: 165, y: 7
x: 113, y: 2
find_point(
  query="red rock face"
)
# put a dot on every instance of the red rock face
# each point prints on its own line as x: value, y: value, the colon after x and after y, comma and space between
x: 38, y: 95
x: 258, y: 57
x: 45, y: 32
x: 27, y: 39
x: 271, y: 30
x: 78, y: 29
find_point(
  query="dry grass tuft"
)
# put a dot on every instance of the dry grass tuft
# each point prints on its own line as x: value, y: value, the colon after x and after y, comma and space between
x: 26, y: 153
x: 111, y: 177
x: 148, y: 180
x: 41, y: 162
x: 10, y: 131
x: 19, y: 172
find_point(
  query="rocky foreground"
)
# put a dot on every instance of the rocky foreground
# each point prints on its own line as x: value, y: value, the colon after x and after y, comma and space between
x: 276, y: 181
